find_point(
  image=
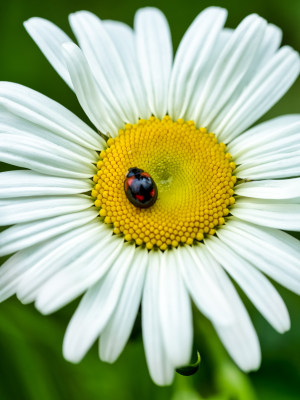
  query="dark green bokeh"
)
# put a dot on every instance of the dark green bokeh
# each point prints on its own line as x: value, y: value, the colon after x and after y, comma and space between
x: 31, y: 363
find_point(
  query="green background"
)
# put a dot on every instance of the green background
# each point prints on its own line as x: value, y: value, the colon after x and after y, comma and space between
x: 31, y: 362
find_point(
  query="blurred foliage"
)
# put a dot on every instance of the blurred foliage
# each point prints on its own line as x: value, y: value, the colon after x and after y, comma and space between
x: 31, y: 362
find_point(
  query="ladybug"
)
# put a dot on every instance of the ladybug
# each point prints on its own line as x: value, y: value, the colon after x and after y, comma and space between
x: 140, y: 188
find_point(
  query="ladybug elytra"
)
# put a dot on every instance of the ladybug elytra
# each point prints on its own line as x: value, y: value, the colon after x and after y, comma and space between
x: 140, y: 188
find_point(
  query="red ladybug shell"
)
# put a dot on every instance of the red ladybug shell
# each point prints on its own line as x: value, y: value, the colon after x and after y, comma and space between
x: 140, y: 188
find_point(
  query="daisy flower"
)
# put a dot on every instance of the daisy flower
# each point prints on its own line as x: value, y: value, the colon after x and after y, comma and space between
x: 168, y: 198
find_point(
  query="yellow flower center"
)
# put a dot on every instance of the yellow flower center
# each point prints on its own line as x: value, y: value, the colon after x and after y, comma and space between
x: 192, y: 172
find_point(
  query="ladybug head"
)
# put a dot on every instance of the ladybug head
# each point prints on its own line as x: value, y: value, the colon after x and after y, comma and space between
x: 133, y: 172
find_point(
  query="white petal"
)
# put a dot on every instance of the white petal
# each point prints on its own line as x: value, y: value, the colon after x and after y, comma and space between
x: 27, y: 209
x: 49, y: 38
x: 24, y: 235
x: 282, y: 147
x: 154, y: 48
x: 68, y: 249
x: 47, y: 113
x: 264, y: 136
x: 269, y: 150
x: 95, y: 309
x: 265, y: 51
x: 123, y: 38
x: 87, y: 91
x: 265, y: 89
x: 192, y: 59
x: 13, y: 270
x: 239, y: 338
x: 230, y: 69
x: 105, y: 63
x: 281, y: 214
x: 160, y: 367
x: 175, y: 311
x: 269, y: 45
x: 222, y: 40
x: 62, y: 150
x: 255, y: 285
x: 117, y: 331
x: 270, y: 189
x: 44, y: 157
x: 273, y: 166
x: 274, y: 252
x: 28, y: 183
x: 200, y: 281
x: 12, y: 124
x: 82, y: 273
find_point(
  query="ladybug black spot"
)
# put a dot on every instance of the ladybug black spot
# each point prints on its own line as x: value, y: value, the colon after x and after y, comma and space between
x: 140, y: 188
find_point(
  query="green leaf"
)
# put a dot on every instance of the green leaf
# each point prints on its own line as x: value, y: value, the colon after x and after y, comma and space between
x: 190, y: 369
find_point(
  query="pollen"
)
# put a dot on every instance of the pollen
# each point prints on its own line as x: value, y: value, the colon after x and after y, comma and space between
x: 193, y: 174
